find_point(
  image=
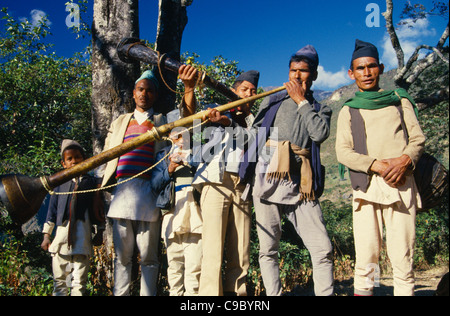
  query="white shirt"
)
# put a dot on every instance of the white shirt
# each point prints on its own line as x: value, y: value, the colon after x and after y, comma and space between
x: 134, y: 200
x: 141, y: 117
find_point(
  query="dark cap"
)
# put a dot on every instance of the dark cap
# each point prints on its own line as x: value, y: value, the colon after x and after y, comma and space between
x: 310, y: 53
x: 364, y: 49
x: 251, y: 76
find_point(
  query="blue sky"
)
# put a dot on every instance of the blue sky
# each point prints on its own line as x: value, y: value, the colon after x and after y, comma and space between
x: 259, y: 34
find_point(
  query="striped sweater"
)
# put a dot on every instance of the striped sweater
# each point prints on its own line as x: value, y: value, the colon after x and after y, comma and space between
x: 140, y: 159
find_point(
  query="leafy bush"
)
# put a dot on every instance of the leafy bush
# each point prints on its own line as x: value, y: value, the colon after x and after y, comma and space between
x: 432, y: 235
x: 434, y: 122
x: 338, y: 219
x: 24, y: 271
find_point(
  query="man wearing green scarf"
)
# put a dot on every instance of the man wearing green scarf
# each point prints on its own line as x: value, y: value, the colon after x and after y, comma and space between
x: 381, y: 156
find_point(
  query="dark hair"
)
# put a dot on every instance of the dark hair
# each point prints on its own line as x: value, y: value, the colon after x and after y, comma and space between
x: 81, y: 150
x: 296, y: 59
x: 352, y: 68
x: 237, y: 84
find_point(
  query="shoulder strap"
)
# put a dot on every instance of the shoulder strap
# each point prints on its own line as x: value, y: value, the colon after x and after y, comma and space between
x: 318, y: 169
x: 360, y: 180
x: 274, y: 105
x: 249, y: 161
x: 358, y: 131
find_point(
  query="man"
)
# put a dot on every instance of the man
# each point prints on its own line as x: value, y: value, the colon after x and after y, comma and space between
x: 136, y: 221
x: 284, y: 178
x: 371, y: 142
x: 226, y: 216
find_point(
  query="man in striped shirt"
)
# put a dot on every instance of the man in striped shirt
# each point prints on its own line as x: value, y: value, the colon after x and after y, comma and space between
x: 136, y: 221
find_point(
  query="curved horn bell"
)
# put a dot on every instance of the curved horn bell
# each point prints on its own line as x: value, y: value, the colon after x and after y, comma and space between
x: 22, y: 196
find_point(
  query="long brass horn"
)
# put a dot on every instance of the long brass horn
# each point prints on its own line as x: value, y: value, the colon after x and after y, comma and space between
x: 132, y: 49
x: 23, y: 195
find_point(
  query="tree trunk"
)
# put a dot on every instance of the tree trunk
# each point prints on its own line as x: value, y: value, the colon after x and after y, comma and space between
x: 171, y: 23
x: 112, y: 79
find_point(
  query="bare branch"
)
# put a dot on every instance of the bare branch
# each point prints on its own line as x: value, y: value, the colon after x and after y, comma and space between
x: 393, y: 34
x: 408, y: 73
x: 420, y: 67
x: 443, y: 38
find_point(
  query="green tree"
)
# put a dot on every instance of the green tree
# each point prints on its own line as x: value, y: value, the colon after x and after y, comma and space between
x: 221, y: 69
x: 44, y: 98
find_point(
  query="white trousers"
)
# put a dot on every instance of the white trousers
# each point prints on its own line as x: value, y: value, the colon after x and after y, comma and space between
x: 400, y: 224
x: 145, y: 236
x: 70, y: 271
x: 184, y: 257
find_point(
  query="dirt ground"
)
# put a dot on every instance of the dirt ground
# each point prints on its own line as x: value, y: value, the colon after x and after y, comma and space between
x: 426, y: 284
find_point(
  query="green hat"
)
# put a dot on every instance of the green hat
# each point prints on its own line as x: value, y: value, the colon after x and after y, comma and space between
x: 149, y: 75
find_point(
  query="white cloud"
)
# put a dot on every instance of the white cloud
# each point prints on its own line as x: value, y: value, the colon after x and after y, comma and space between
x: 409, y: 37
x: 36, y: 16
x: 330, y: 81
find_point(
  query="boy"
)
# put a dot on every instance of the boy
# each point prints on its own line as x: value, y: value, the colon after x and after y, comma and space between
x: 182, y: 224
x: 73, y: 215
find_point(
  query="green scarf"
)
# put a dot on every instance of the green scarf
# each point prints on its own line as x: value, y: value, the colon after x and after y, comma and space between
x: 370, y: 100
